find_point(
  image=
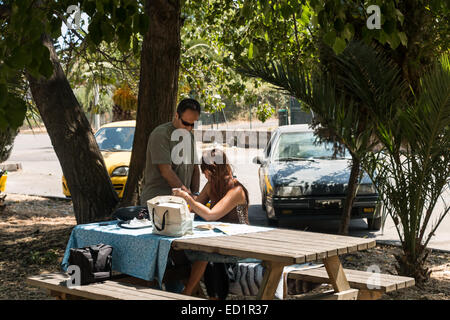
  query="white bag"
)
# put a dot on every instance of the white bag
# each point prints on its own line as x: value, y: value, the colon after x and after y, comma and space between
x: 170, y: 216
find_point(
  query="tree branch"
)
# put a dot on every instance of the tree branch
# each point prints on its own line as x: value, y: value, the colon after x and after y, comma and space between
x: 296, y: 37
x: 65, y: 22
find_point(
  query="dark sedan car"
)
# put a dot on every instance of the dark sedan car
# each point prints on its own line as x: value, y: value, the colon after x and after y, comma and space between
x: 300, y: 179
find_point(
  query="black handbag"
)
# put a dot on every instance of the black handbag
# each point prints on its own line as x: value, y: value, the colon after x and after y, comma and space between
x: 95, y: 262
x: 129, y: 213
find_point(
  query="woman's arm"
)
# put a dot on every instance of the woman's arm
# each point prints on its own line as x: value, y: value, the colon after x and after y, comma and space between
x: 232, y: 198
x: 203, y: 197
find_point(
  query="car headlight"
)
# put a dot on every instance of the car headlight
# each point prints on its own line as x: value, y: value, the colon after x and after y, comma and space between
x: 289, y: 191
x: 120, y: 171
x: 366, y: 189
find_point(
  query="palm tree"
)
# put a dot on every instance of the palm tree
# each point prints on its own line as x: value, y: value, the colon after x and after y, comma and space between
x: 412, y: 171
x: 342, y: 97
x: 401, y: 140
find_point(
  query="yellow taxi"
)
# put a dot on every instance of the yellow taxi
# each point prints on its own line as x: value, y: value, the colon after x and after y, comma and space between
x: 115, y: 141
x: 3, y: 177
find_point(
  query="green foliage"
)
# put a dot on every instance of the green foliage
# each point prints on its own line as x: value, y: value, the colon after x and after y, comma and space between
x: 115, y: 21
x: 412, y: 33
x: 12, y: 110
x: 206, y: 71
x: 412, y: 170
x: 202, y: 74
x: 364, y: 104
x: 107, y: 51
x: 23, y: 22
x: 264, y: 112
x: 344, y: 101
x: 233, y: 30
x: 20, y: 48
x: 360, y: 97
x: 263, y: 29
x: 103, y: 70
x: 296, y: 30
x: 86, y: 97
x: 341, y: 100
x: 41, y: 258
x: 343, y: 21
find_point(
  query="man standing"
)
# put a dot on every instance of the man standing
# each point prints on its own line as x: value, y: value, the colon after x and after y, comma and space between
x: 162, y: 173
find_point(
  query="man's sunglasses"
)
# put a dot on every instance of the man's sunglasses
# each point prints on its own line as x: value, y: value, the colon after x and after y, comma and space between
x: 187, y: 124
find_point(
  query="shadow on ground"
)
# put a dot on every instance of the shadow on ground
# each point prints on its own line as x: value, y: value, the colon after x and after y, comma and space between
x: 33, y: 235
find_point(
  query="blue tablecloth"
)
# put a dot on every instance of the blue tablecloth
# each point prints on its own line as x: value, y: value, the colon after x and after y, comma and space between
x: 138, y: 252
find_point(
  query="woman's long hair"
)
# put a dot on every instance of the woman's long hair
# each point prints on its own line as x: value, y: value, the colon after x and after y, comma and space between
x: 216, y: 162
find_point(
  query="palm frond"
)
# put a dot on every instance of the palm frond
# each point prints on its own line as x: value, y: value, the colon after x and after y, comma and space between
x: 334, y: 102
x: 293, y: 79
x: 372, y: 79
x: 433, y: 108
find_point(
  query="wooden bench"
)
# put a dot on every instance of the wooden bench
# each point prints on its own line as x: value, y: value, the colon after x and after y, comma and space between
x: 106, y: 290
x: 361, y: 280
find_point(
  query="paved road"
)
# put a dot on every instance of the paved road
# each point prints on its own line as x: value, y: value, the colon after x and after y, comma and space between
x: 41, y: 172
x: 41, y: 175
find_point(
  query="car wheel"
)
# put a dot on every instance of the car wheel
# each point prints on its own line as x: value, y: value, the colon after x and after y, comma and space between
x: 374, y: 223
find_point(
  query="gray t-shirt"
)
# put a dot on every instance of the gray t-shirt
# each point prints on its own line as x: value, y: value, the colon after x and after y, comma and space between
x: 161, y: 149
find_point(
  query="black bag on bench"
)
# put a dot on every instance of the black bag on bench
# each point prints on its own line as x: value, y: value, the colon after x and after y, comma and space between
x: 95, y: 262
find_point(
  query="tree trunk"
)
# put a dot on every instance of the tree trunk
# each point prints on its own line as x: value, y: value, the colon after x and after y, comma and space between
x: 351, y: 193
x: 7, y: 137
x: 158, y: 86
x: 93, y: 195
x: 414, y: 264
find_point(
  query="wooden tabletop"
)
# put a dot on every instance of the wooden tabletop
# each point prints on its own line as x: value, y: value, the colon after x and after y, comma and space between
x: 278, y: 245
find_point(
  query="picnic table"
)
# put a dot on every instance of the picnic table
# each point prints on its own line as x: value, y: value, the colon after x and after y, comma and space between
x: 278, y: 248
x: 142, y: 254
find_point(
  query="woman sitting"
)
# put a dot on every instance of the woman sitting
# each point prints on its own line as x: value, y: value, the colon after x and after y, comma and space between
x: 229, y: 203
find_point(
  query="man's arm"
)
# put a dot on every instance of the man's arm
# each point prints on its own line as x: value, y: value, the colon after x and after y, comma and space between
x: 195, y: 181
x: 171, y: 177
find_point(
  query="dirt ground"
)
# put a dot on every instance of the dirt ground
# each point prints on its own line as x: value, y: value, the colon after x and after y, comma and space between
x: 34, y: 232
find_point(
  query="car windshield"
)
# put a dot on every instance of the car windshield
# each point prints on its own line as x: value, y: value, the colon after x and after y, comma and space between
x: 300, y: 146
x: 115, y: 138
